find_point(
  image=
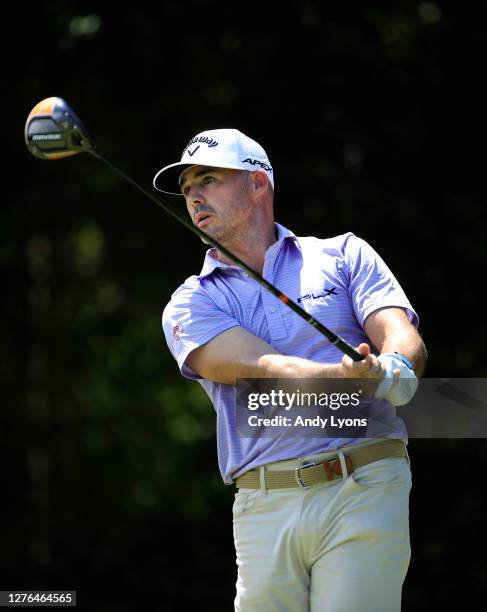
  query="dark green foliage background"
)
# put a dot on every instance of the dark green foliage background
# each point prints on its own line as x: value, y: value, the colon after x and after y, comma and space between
x: 373, y: 117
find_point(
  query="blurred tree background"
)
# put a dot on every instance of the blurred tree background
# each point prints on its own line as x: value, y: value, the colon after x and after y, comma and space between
x: 372, y: 114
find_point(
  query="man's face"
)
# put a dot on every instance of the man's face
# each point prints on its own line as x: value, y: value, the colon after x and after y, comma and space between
x: 218, y: 201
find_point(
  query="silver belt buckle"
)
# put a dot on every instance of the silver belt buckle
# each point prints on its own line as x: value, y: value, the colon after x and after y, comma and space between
x: 297, y: 477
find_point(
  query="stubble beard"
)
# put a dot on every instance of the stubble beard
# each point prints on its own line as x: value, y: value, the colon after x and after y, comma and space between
x: 230, y: 231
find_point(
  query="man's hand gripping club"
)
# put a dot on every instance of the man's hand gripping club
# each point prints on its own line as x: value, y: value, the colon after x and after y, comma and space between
x: 397, y: 381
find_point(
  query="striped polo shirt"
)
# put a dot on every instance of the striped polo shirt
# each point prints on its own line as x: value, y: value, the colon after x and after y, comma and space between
x: 339, y: 281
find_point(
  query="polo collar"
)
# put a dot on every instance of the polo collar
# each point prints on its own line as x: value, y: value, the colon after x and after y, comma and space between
x: 211, y: 264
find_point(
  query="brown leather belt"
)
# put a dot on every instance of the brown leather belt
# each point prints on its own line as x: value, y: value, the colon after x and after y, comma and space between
x: 308, y: 475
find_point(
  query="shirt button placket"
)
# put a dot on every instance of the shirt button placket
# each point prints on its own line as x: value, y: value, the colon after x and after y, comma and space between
x: 272, y: 307
x: 273, y: 315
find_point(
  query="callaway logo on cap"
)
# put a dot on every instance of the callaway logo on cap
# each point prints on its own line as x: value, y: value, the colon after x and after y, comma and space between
x: 226, y: 148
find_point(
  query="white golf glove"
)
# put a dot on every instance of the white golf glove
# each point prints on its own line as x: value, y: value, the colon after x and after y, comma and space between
x: 401, y: 391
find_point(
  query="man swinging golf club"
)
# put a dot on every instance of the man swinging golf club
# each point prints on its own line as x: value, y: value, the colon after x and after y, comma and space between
x: 319, y: 523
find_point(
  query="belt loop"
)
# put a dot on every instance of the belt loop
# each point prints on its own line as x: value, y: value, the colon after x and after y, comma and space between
x: 262, y: 480
x: 407, y: 454
x: 343, y: 464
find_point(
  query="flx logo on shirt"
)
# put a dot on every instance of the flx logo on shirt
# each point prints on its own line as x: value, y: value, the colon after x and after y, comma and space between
x: 315, y: 296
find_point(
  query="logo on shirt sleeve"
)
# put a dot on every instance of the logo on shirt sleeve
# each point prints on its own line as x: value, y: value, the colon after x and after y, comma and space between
x: 177, y: 332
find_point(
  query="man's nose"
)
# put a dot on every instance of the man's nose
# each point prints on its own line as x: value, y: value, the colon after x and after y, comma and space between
x: 195, y: 197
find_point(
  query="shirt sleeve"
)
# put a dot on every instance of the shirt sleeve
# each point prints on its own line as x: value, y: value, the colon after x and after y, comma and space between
x: 190, y: 320
x: 372, y: 285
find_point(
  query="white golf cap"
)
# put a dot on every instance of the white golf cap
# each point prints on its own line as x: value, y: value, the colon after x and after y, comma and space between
x: 225, y: 148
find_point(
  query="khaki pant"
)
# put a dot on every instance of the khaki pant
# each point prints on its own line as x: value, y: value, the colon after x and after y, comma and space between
x: 341, y: 546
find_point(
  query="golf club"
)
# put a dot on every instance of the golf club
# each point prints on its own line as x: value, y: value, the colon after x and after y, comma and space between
x: 53, y: 131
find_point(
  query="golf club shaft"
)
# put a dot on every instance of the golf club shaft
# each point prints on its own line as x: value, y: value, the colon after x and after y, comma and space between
x: 340, y: 343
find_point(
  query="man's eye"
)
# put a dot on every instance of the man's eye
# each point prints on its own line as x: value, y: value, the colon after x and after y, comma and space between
x: 207, y: 179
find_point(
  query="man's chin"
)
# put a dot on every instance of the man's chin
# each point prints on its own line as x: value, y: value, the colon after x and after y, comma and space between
x: 205, y: 240
x: 218, y: 237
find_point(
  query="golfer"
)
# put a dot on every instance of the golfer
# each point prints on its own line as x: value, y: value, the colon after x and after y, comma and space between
x: 320, y: 523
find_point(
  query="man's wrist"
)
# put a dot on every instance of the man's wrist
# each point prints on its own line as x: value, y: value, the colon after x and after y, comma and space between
x: 404, y: 359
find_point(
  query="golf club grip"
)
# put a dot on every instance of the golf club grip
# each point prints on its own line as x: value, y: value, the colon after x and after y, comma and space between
x: 340, y: 343
x: 348, y: 349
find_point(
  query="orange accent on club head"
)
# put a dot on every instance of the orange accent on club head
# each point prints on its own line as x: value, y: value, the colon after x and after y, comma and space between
x: 44, y: 107
x: 59, y: 155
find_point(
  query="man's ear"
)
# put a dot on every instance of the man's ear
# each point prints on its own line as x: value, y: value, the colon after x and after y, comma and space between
x: 260, y: 181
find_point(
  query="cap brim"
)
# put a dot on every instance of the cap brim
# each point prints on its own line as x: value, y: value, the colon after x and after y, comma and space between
x: 167, y: 179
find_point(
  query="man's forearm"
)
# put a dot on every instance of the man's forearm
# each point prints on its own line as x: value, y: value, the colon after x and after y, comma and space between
x: 285, y: 366
x: 390, y: 330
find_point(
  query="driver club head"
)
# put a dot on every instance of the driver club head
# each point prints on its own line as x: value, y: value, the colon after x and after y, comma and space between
x: 53, y: 130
